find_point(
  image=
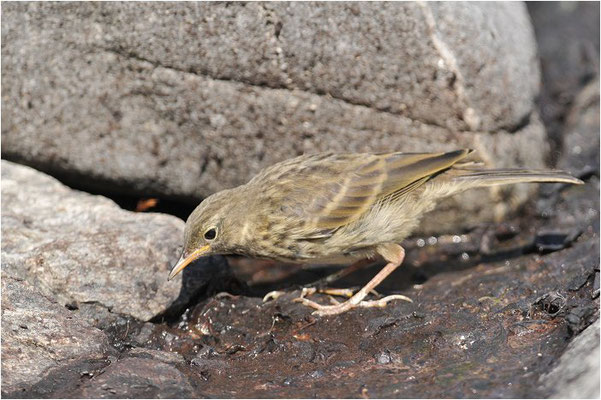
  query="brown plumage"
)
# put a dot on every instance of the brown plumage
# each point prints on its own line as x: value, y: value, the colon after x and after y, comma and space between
x: 336, y: 208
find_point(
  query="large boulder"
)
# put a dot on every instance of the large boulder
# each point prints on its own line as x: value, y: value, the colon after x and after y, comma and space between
x: 184, y: 99
x: 84, y: 251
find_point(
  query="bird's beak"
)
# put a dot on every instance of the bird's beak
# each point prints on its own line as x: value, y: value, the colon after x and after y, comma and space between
x: 184, y: 261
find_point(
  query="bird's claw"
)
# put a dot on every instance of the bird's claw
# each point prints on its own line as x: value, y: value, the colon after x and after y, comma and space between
x: 273, y: 295
x: 322, y: 310
x: 384, y: 301
x: 308, y: 291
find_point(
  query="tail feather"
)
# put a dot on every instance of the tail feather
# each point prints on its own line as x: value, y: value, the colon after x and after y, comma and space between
x: 493, y: 177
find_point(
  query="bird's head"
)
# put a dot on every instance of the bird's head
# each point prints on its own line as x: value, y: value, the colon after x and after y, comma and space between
x: 208, y: 230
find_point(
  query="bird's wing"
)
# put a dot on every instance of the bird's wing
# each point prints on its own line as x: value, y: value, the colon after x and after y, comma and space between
x: 407, y: 171
x: 325, y: 192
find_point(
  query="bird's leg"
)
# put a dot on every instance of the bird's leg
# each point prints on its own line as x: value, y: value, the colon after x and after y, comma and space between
x: 394, y: 254
x: 308, y: 291
x: 320, y: 286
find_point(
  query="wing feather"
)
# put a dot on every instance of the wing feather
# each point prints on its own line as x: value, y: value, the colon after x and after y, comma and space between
x: 328, y: 191
x: 362, y: 181
x: 404, y: 169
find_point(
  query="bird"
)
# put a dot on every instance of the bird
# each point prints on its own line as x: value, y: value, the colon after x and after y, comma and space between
x: 331, y: 208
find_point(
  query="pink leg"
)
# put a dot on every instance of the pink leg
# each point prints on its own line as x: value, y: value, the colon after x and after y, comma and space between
x: 395, y: 255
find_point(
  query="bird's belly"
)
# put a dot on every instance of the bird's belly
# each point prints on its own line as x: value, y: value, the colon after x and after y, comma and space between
x: 328, y: 260
x: 331, y: 258
x: 302, y: 257
x: 307, y: 251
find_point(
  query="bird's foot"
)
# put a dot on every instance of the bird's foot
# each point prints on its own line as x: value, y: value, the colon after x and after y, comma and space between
x: 348, y: 293
x: 338, y: 308
x: 273, y: 295
x: 308, y: 291
x: 391, y: 252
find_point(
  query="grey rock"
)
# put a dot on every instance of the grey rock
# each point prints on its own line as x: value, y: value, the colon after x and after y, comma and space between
x: 426, y: 61
x: 185, y: 99
x: 567, y: 35
x: 163, y: 356
x: 84, y: 250
x: 576, y: 373
x: 40, y: 336
x: 137, y: 377
x: 144, y: 336
x: 581, y: 137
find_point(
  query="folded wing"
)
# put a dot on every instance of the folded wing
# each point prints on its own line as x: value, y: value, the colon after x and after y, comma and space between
x: 326, y: 192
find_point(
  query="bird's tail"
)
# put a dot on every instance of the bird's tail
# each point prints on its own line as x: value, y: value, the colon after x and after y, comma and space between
x: 494, y: 177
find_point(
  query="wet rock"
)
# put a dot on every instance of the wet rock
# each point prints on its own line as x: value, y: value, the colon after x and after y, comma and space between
x: 580, y: 317
x: 383, y: 357
x: 316, y: 374
x: 468, y: 332
x: 208, y: 365
x: 40, y: 336
x: 546, y: 242
x: 576, y: 372
x: 83, y: 250
x: 163, y: 356
x: 302, y: 352
x: 138, y: 377
x: 552, y: 303
x: 142, y: 336
x: 106, y: 106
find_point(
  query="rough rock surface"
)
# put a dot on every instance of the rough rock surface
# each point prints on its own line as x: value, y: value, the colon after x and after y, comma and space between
x: 40, y: 336
x: 139, y: 374
x: 492, y: 309
x: 576, y: 375
x: 83, y: 250
x: 581, y: 135
x: 567, y: 36
x: 184, y: 99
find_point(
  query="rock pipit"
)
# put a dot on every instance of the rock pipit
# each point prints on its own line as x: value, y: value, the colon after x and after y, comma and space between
x: 337, y: 208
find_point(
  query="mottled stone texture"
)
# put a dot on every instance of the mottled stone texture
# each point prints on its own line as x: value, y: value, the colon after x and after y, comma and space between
x: 184, y: 99
x: 84, y: 250
x: 576, y: 373
x: 40, y: 336
x: 145, y: 376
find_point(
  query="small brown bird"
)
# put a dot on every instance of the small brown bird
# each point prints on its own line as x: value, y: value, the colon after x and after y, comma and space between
x: 337, y: 208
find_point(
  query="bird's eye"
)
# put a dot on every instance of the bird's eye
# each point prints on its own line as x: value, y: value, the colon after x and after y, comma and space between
x: 210, y: 234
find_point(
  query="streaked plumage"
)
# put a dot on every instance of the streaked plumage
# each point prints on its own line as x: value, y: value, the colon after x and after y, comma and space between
x: 335, y: 208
